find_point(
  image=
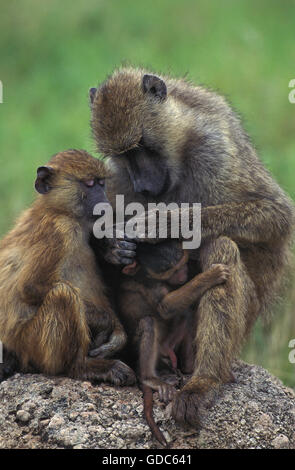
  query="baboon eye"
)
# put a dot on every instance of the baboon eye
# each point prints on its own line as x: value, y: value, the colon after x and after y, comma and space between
x: 89, y: 183
x: 93, y: 182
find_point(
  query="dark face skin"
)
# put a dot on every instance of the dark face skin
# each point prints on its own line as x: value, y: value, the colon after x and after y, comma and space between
x: 178, y: 277
x: 147, y: 170
x: 166, y: 263
x: 93, y: 193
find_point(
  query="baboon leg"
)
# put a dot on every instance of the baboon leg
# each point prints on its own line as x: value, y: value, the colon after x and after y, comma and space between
x: 222, y: 320
x: 60, y: 341
x: 148, y: 347
x: 186, y: 352
x: 148, y: 358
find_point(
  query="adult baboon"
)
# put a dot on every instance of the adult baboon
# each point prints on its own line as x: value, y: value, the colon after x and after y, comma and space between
x: 170, y: 141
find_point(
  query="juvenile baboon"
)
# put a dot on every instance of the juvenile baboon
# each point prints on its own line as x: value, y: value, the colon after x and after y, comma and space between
x: 53, y: 305
x: 169, y: 141
x: 156, y: 308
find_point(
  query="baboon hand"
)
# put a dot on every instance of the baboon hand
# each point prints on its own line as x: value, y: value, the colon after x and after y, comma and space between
x: 115, y: 343
x: 220, y: 273
x: 120, y: 251
x: 166, y: 391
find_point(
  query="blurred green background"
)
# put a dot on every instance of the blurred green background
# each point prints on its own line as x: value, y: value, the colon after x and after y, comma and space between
x: 51, y: 52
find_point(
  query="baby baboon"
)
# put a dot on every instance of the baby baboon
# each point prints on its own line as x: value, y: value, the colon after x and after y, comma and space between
x: 155, y: 306
x: 53, y: 305
x: 169, y: 141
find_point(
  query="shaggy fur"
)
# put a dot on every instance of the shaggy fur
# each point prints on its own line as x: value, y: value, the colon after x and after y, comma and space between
x: 192, y: 134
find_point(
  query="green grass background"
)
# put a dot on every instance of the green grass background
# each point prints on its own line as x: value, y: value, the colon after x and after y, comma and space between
x: 52, y: 51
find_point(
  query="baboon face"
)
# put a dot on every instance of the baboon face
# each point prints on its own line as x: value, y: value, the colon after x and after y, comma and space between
x: 127, y: 128
x: 147, y: 170
x: 73, y: 182
x: 92, y: 193
x: 165, y: 262
x: 174, y: 273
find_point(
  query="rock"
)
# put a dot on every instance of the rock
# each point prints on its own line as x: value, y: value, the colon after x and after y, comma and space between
x: 281, y: 442
x: 40, y: 412
x: 23, y: 416
x: 56, y: 421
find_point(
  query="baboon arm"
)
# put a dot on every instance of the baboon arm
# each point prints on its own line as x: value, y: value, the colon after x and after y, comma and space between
x: 259, y: 221
x: 40, y: 270
x: 181, y: 299
x: 256, y: 221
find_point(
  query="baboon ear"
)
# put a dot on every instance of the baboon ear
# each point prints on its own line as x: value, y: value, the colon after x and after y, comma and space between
x: 92, y: 92
x: 44, y: 175
x: 155, y: 86
x: 131, y: 269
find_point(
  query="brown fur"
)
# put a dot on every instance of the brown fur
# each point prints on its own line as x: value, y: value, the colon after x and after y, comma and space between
x: 53, y: 304
x: 247, y: 219
x: 169, y: 307
x: 156, y: 309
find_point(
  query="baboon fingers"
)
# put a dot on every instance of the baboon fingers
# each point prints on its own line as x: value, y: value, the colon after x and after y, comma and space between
x: 118, y: 251
x: 167, y: 393
x: 126, y: 253
x: 115, y: 258
x: 126, y: 244
x: 111, y: 371
x: 221, y: 272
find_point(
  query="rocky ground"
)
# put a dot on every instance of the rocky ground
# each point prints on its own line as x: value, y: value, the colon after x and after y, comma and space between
x: 40, y: 412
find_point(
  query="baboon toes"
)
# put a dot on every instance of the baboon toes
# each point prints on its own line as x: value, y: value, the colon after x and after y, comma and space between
x: 185, y: 408
x: 166, y: 392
